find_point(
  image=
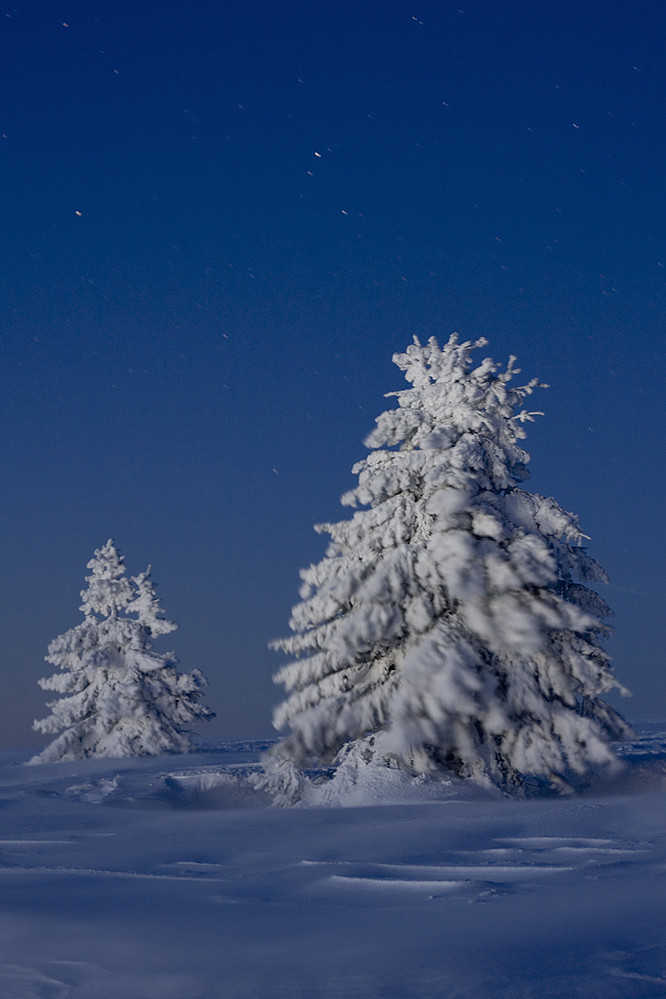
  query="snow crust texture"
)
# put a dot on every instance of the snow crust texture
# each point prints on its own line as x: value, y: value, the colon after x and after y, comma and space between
x: 169, y: 877
x: 121, y: 698
x: 449, y: 626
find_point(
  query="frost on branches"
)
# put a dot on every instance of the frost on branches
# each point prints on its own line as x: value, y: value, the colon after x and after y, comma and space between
x: 121, y: 697
x: 449, y: 626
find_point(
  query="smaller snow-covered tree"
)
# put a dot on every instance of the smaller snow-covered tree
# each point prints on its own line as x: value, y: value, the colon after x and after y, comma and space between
x: 122, y: 698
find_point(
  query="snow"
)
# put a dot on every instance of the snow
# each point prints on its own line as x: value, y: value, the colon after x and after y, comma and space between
x: 172, y: 877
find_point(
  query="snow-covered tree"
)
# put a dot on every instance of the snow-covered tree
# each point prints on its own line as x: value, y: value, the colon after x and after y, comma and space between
x: 121, y: 697
x: 448, y: 625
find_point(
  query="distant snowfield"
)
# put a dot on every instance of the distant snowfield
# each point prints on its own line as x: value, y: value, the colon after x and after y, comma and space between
x: 170, y: 878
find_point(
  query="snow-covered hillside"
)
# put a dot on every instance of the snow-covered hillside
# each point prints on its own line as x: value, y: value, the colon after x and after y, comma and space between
x: 171, y: 877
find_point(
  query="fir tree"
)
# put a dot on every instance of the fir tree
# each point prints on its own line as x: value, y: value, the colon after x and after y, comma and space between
x: 121, y: 697
x: 449, y: 624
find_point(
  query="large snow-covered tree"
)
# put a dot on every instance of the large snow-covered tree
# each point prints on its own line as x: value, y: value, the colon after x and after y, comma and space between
x: 121, y: 697
x: 448, y: 627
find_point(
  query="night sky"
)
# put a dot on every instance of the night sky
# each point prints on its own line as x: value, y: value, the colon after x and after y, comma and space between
x: 221, y: 219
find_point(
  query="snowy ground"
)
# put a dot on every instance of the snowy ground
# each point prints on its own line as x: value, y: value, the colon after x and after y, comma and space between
x: 165, y: 879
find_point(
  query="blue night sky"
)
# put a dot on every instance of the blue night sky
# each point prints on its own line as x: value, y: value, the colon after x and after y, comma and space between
x: 221, y: 219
